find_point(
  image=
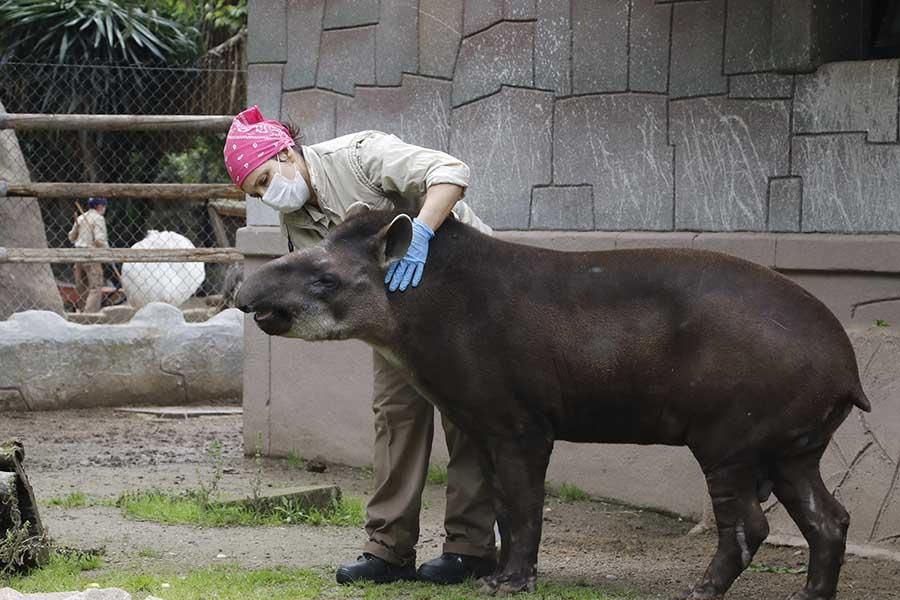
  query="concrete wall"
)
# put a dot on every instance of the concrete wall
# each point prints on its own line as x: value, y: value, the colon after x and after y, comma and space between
x: 599, y: 124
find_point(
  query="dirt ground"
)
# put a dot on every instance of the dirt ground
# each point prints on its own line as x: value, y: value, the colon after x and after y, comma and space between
x: 102, y: 453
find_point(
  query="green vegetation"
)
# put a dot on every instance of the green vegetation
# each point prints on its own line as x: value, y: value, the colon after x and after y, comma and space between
x: 881, y: 323
x: 73, y: 500
x: 781, y: 570
x: 437, y: 474
x: 295, y: 461
x: 76, y: 572
x: 196, y: 508
x: 569, y: 492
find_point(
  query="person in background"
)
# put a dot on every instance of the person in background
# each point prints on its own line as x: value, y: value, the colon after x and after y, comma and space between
x: 312, y: 188
x: 89, y: 231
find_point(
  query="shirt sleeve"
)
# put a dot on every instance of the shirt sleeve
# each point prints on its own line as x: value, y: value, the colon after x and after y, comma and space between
x: 100, y: 239
x: 73, y: 233
x: 397, y: 167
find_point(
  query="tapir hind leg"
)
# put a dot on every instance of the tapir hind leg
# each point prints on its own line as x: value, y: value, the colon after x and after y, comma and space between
x: 821, y: 519
x: 741, y: 524
x: 519, y: 467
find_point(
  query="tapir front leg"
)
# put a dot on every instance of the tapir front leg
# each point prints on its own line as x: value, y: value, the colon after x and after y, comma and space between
x: 519, y: 467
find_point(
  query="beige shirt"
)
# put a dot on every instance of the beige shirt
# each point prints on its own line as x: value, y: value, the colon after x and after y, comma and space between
x: 375, y: 168
x: 89, y: 231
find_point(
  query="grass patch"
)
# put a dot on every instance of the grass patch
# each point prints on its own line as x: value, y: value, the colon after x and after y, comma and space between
x: 437, y: 474
x: 295, y: 461
x: 194, y: 508
x: 781, y: 570
x: 74, y: 572
x: 149, y: 553
x: 73, y: 500
x: 569, y: 492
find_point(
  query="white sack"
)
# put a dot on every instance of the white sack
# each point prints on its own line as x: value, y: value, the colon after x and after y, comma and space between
x: 172, y: 283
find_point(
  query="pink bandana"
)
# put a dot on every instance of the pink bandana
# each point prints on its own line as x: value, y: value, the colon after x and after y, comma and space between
x: 251, y: 141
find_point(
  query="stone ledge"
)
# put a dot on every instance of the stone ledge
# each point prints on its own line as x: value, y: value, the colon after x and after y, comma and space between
x: 874, y: 253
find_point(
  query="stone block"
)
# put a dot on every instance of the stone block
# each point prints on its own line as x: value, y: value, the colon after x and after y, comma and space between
x: 785, y: 198
x: 266, y: 32
x: 618, y: 144
x: 848, y: 185
x: 156, y: 357
x: 350, y: 13
x: 260, y: 214
x: 418, y: 112
x: 697, y: 32
x: 313, y: 112
x: 507, y: 139
x: 649, y: 52
x: 440, y: 32
x: 552, y: 47
x: 646, y: 239
x: 500, y: 55
x: 481, y: 14
x: 599, y: 46
x: 346, y: 59
x: 520, y: 9
x: 748, y: 37
x: 793, y: 22
x: 12, y: 399
x: 758, y: 247
x: 828, y: 252
x: 319, y: 497
x: 396, y: 41
x: 264, y: 88
x: 304, y: 21
x: 761, y: 85
x: 849, y: 96
x: 562, y: 207
x: 725, y: 152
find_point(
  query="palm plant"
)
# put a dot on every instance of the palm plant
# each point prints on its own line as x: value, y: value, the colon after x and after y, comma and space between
x: 91, y: 31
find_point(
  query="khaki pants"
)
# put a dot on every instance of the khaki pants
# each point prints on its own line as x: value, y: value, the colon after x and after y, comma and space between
x: 404, y: 428
x: 89, y: 279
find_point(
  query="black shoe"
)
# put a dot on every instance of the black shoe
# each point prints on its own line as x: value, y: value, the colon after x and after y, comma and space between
x: 369, y: 567
x: 450, y: 568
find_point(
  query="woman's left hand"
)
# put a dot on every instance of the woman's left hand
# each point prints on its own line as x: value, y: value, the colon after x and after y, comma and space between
x: 409, y: 269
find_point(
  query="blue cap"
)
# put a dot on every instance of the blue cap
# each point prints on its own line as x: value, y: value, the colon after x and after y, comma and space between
x: 98, y: 201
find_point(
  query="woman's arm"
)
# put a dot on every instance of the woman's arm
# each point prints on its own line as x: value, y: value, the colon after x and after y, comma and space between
x: 440, y: 199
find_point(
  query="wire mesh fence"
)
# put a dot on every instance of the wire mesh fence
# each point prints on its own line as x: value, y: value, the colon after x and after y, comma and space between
x: 115, y: 156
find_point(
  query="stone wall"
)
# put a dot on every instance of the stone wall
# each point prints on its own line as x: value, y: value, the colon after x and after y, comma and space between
x: 156, y: 358
x: 604, y: 115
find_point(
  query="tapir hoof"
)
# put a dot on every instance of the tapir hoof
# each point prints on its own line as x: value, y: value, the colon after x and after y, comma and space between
x: 507, y: 585
x: 698, y: 593
x: 807, y: 595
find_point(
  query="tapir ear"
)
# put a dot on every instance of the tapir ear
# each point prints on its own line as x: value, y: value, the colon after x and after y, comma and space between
x: 356, y: 209
x: 394, y: 239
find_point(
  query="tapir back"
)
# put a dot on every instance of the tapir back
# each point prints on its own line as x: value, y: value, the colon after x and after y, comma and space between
x: 642, y: 346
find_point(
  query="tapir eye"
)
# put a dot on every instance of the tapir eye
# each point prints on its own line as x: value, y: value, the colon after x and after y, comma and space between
x: 327, y: 281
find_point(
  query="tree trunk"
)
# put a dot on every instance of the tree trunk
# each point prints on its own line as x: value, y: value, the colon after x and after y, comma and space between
x: 22, y: 287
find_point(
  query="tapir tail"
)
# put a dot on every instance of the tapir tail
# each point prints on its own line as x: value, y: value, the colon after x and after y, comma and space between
x: 859, y: 399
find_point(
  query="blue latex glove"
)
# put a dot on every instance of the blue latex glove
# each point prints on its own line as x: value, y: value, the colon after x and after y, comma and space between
x: 409, y: 268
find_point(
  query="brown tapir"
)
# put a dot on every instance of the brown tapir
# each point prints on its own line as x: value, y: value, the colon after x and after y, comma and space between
x: 521, y: 346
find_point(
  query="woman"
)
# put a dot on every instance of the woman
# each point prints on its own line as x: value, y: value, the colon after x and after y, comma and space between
x: 312, y: 187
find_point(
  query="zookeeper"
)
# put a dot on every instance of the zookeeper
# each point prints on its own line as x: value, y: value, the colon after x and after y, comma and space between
x: 89, y: 231
x: 312, y: 187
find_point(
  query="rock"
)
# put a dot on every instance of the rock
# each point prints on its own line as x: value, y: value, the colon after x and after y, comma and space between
x: 599, y: 46
x: 499, y: 55
x: 315, y: 466
x: 118, y: 314
x: 347, y: 59
x: 102, y: 594
x: 22, y: 286
x: 314, y: 496
x: 697, y: 48
x: 156, y: 356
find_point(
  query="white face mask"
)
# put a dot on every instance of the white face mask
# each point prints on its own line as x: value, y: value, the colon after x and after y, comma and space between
x: 286, y: 195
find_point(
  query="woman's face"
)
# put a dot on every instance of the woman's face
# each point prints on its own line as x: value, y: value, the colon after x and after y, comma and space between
x: 259, y: 178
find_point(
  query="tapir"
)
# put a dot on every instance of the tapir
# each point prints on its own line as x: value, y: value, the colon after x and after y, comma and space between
x: 520, y: 346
